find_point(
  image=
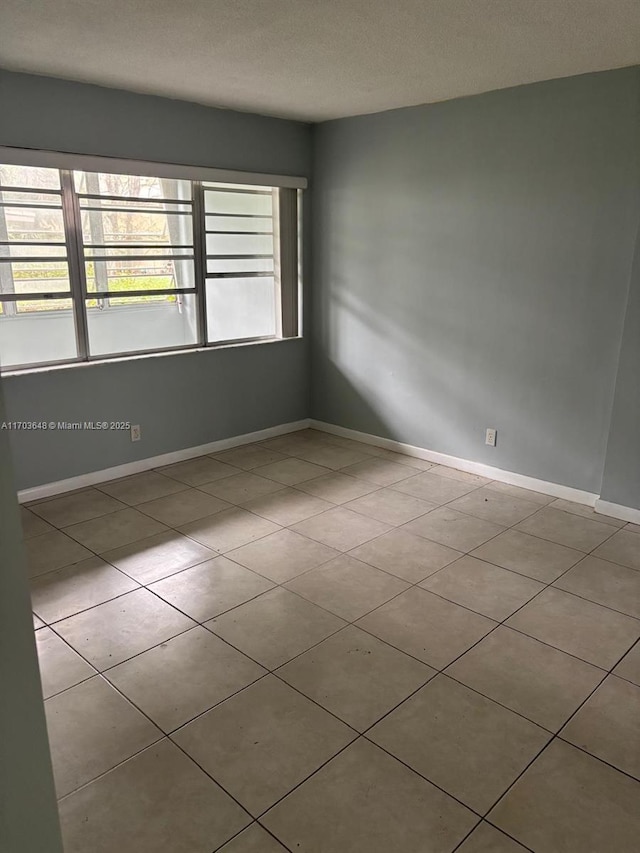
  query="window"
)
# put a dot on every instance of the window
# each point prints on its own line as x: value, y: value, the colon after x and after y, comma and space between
x: 97, y: 264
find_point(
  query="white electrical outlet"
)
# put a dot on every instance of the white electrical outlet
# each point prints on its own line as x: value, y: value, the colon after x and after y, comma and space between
x: 136, y: 433
x: 490, y: 437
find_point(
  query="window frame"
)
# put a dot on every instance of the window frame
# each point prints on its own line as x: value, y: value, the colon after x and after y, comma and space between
x: 287, y: 248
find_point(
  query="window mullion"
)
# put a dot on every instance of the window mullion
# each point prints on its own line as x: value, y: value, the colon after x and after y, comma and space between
x: 288, y: 260
x: 75, y: 259
x: 200, y: 263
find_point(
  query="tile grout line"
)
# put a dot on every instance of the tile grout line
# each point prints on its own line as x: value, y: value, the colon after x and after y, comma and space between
x: 352, y: 623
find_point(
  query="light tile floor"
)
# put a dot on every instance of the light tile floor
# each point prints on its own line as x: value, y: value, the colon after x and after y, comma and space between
x: 312, y: 644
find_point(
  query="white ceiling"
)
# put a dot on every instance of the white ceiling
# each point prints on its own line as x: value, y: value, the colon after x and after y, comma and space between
x: 317, y: 59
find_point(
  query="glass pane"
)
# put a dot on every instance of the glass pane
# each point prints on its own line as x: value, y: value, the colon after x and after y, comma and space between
x: 131, y: 251
x: 239, y: 223
x: 124, y: 275
x: 138, y: 186
x: 139, y: 327
x: 26, y: 249
x: 239, y: 244
x: 32, y: 177
x: 120, y: 227
x: 216, y: 201
x: 216, y: 265
x: 34, y: 277
x: 32, y: 223
x: 240, y: 308
x: 31, y: 332
x: 9, y: 196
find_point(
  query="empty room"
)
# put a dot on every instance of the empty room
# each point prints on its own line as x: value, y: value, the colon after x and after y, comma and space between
x: 320, y: 426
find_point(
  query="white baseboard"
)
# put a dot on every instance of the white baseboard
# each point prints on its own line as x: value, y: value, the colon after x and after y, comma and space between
x: 48, y: 490
x: 624, y: 513
x: 555, y: 489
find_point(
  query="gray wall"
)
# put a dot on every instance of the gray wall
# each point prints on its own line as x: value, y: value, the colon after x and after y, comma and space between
x: 180, y: 400
x: 471, y: 269
x: 621, y: 483
x: 28, y: 811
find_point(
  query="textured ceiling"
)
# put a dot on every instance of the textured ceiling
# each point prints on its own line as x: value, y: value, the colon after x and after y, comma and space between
x: 317, y: 59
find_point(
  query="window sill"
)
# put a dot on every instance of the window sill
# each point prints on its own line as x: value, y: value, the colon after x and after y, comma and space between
x: 73, y: 365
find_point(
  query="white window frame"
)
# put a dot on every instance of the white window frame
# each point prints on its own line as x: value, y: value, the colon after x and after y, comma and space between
x: 287, y: 243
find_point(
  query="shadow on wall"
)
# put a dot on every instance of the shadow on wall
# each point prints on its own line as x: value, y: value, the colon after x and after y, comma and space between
x: 430, y: 363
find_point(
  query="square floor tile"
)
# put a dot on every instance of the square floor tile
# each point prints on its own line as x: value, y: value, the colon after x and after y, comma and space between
x: 229, y: 529
x: 263, y: 741
x: 381, y: 472
x: 248, y: 457
x: 365, y: 800
x: 585, y: 512
x: 632, y: 528
x: 185, y: 506
x: 482, y: 587
x: 493, y: 506
x: 255, y: 839
x: 435, y: 489
x: 37, y: 623
x: 197, y: 471
x: 114, y: 530
x: 330, y: 455
x: 163, y: 802
x: 395, y: 456
x: 210, y: 588
x: 486, y: 839
x: 156, y: 557
x: 571, y: 802
x: 60, y: 666
x: 629, y: 666
x: 337, y: 487
x: 581, y: 628
x: 355, y: 676
x: 566, y: 529
x: 347, y: 587
x: 287, y: 506
x: 64, y: 592
x: 112, y: 632
x: 275, y: 627
x: 283, y: 555
x: 528, y: 555
x: 608, y: 725
x: 138, y: 488
x: 33, y: 525
x: 454, y: 529
x: 341, y: 528
x: 403, y: 554
x: 605, y: 583
x: 390, y: 506
x: 622, y: 548
x: 91, y: 729
x: 426, y: 626
x: 179, y: 679
x: 457, y: 474
x: 535, y: 680
x: 51, y: 551
x: 288, y: 443
x: 519, y: 492
x: 289, y: 472
x: 240, y: 488
x: 76, y: 507
x: 341, y: 441
x: 464, y: 743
